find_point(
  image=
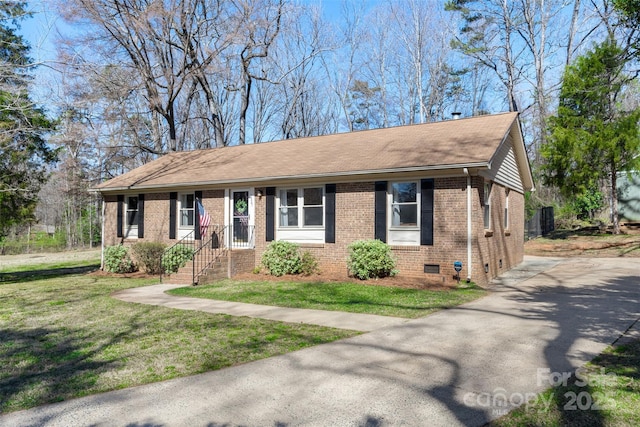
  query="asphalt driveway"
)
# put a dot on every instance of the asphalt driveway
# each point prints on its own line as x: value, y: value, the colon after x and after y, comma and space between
x: 462, y: 366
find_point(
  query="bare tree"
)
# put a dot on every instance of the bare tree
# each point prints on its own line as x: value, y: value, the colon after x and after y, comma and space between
x: 378, y: 66
x: 260, y: 26
x: 422, y: 57
x: 170, y: 45
x: 342, y: 66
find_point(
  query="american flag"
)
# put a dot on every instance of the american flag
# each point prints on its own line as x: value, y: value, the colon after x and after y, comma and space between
x: 205, y: 218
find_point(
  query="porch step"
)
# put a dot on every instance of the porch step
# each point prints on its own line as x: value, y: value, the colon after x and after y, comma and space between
x: 184, y: 276
x: 217, y: 271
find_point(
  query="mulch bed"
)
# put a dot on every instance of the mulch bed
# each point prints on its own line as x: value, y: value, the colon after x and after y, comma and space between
x: 396, y: 281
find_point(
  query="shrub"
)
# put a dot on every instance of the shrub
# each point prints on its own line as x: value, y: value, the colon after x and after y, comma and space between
x: 281, y: 258
x: 149, y: 256
x: 117, y: 259
x: 176, y: 257
x: 370, y: 258
x: 308, y: 264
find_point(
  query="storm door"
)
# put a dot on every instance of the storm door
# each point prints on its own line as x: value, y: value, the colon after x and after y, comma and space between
x: 241, y: 229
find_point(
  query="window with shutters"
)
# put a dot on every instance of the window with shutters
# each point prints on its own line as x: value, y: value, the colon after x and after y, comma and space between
x: 403, y: 207
x: 131, y: 217
x: 301, y: 213
x: 404, y: 204
x: 187, y: 210
x: 487, y: 205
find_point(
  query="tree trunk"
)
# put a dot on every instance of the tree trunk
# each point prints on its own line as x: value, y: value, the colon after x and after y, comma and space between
x: 614, y: 200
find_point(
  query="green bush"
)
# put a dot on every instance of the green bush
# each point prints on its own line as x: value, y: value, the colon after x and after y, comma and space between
x: 117, y: 259
x: 370, y: 258
x: 176, y: 257
x: 308, y: 264
x: 281, y: 258
x: 149, y: 256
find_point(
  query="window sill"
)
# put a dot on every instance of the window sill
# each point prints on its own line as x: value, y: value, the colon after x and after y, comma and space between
x: 403, y: 248
x: 507, y: 232
x: 310, y: 227
x: 407, y: 228
x: 488, y: 233
x: 311, y: 245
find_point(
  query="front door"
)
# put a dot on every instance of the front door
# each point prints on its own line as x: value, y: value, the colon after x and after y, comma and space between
x: 241, y: 232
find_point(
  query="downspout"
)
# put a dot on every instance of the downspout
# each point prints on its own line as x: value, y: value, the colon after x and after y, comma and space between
x: 102, y: 234
x: 469, y: 224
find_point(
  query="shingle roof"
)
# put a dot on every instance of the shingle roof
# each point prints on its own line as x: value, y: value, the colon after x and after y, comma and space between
x: 441, y: 145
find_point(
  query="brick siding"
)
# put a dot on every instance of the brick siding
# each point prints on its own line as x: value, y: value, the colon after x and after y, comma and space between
x: 355, y: 221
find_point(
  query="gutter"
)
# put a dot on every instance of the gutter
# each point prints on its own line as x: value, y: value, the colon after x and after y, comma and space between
x: 469, y: 224
x: 102, y: 235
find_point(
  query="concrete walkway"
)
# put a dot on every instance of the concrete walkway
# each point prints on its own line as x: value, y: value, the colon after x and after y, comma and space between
x: 155, y: 295
x: 462, y: 366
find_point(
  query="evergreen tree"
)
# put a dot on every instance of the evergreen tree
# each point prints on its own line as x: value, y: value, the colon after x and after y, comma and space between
x: 24, y: 154
x: 629, y: 11
x: 592, y: 138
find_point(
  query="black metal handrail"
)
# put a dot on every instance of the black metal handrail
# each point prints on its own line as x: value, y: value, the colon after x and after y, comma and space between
x: 187, y: 240
x: 216, y: 242
x: 209, y: 250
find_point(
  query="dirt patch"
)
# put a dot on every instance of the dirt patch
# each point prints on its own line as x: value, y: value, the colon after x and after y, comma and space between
x: 587, y: 242
x: 133, y: 275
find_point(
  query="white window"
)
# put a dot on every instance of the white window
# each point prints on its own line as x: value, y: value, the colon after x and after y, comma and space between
x: 313, y: 207
x: 302, y: 207
x: 132, y: 217
x: 289, y: 208
x: 301, y: 215
x: 404, y: 204
x: 187, y: 210
x: 487, y: 205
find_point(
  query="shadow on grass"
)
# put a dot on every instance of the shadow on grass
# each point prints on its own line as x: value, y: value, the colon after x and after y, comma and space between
x: 49, y: 273
x: 40, y: 367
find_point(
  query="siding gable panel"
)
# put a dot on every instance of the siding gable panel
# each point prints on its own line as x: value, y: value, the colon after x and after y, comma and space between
x: 504, y: 168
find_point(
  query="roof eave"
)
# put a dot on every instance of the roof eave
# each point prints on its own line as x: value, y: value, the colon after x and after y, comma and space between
x: 191, y: 184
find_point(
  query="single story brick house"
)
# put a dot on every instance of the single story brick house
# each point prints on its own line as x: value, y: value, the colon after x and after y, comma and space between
x: 437, y: 193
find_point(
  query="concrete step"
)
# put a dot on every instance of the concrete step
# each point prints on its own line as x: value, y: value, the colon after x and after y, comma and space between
x: 179, y: 279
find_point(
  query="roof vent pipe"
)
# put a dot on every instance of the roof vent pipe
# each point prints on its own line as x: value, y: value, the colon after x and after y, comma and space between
x: 456, y: 115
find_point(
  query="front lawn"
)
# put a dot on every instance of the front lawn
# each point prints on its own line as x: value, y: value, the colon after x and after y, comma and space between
x: 63, y: 336
x: 349, y: 297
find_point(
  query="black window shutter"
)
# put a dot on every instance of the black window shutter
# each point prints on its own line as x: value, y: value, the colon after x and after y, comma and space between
x: 173, y: 207
x: 381, y: 211
x: 270, y: 214
x: 196, y: 214
x: 140, y: 216
x: 330, y: 213
x: 120, y: 231
x: 426, y: 212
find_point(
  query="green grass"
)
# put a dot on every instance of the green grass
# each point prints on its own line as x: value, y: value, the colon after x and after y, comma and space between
x: 349, y: 297
x: 64, y: 336
x: 611, y: 382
